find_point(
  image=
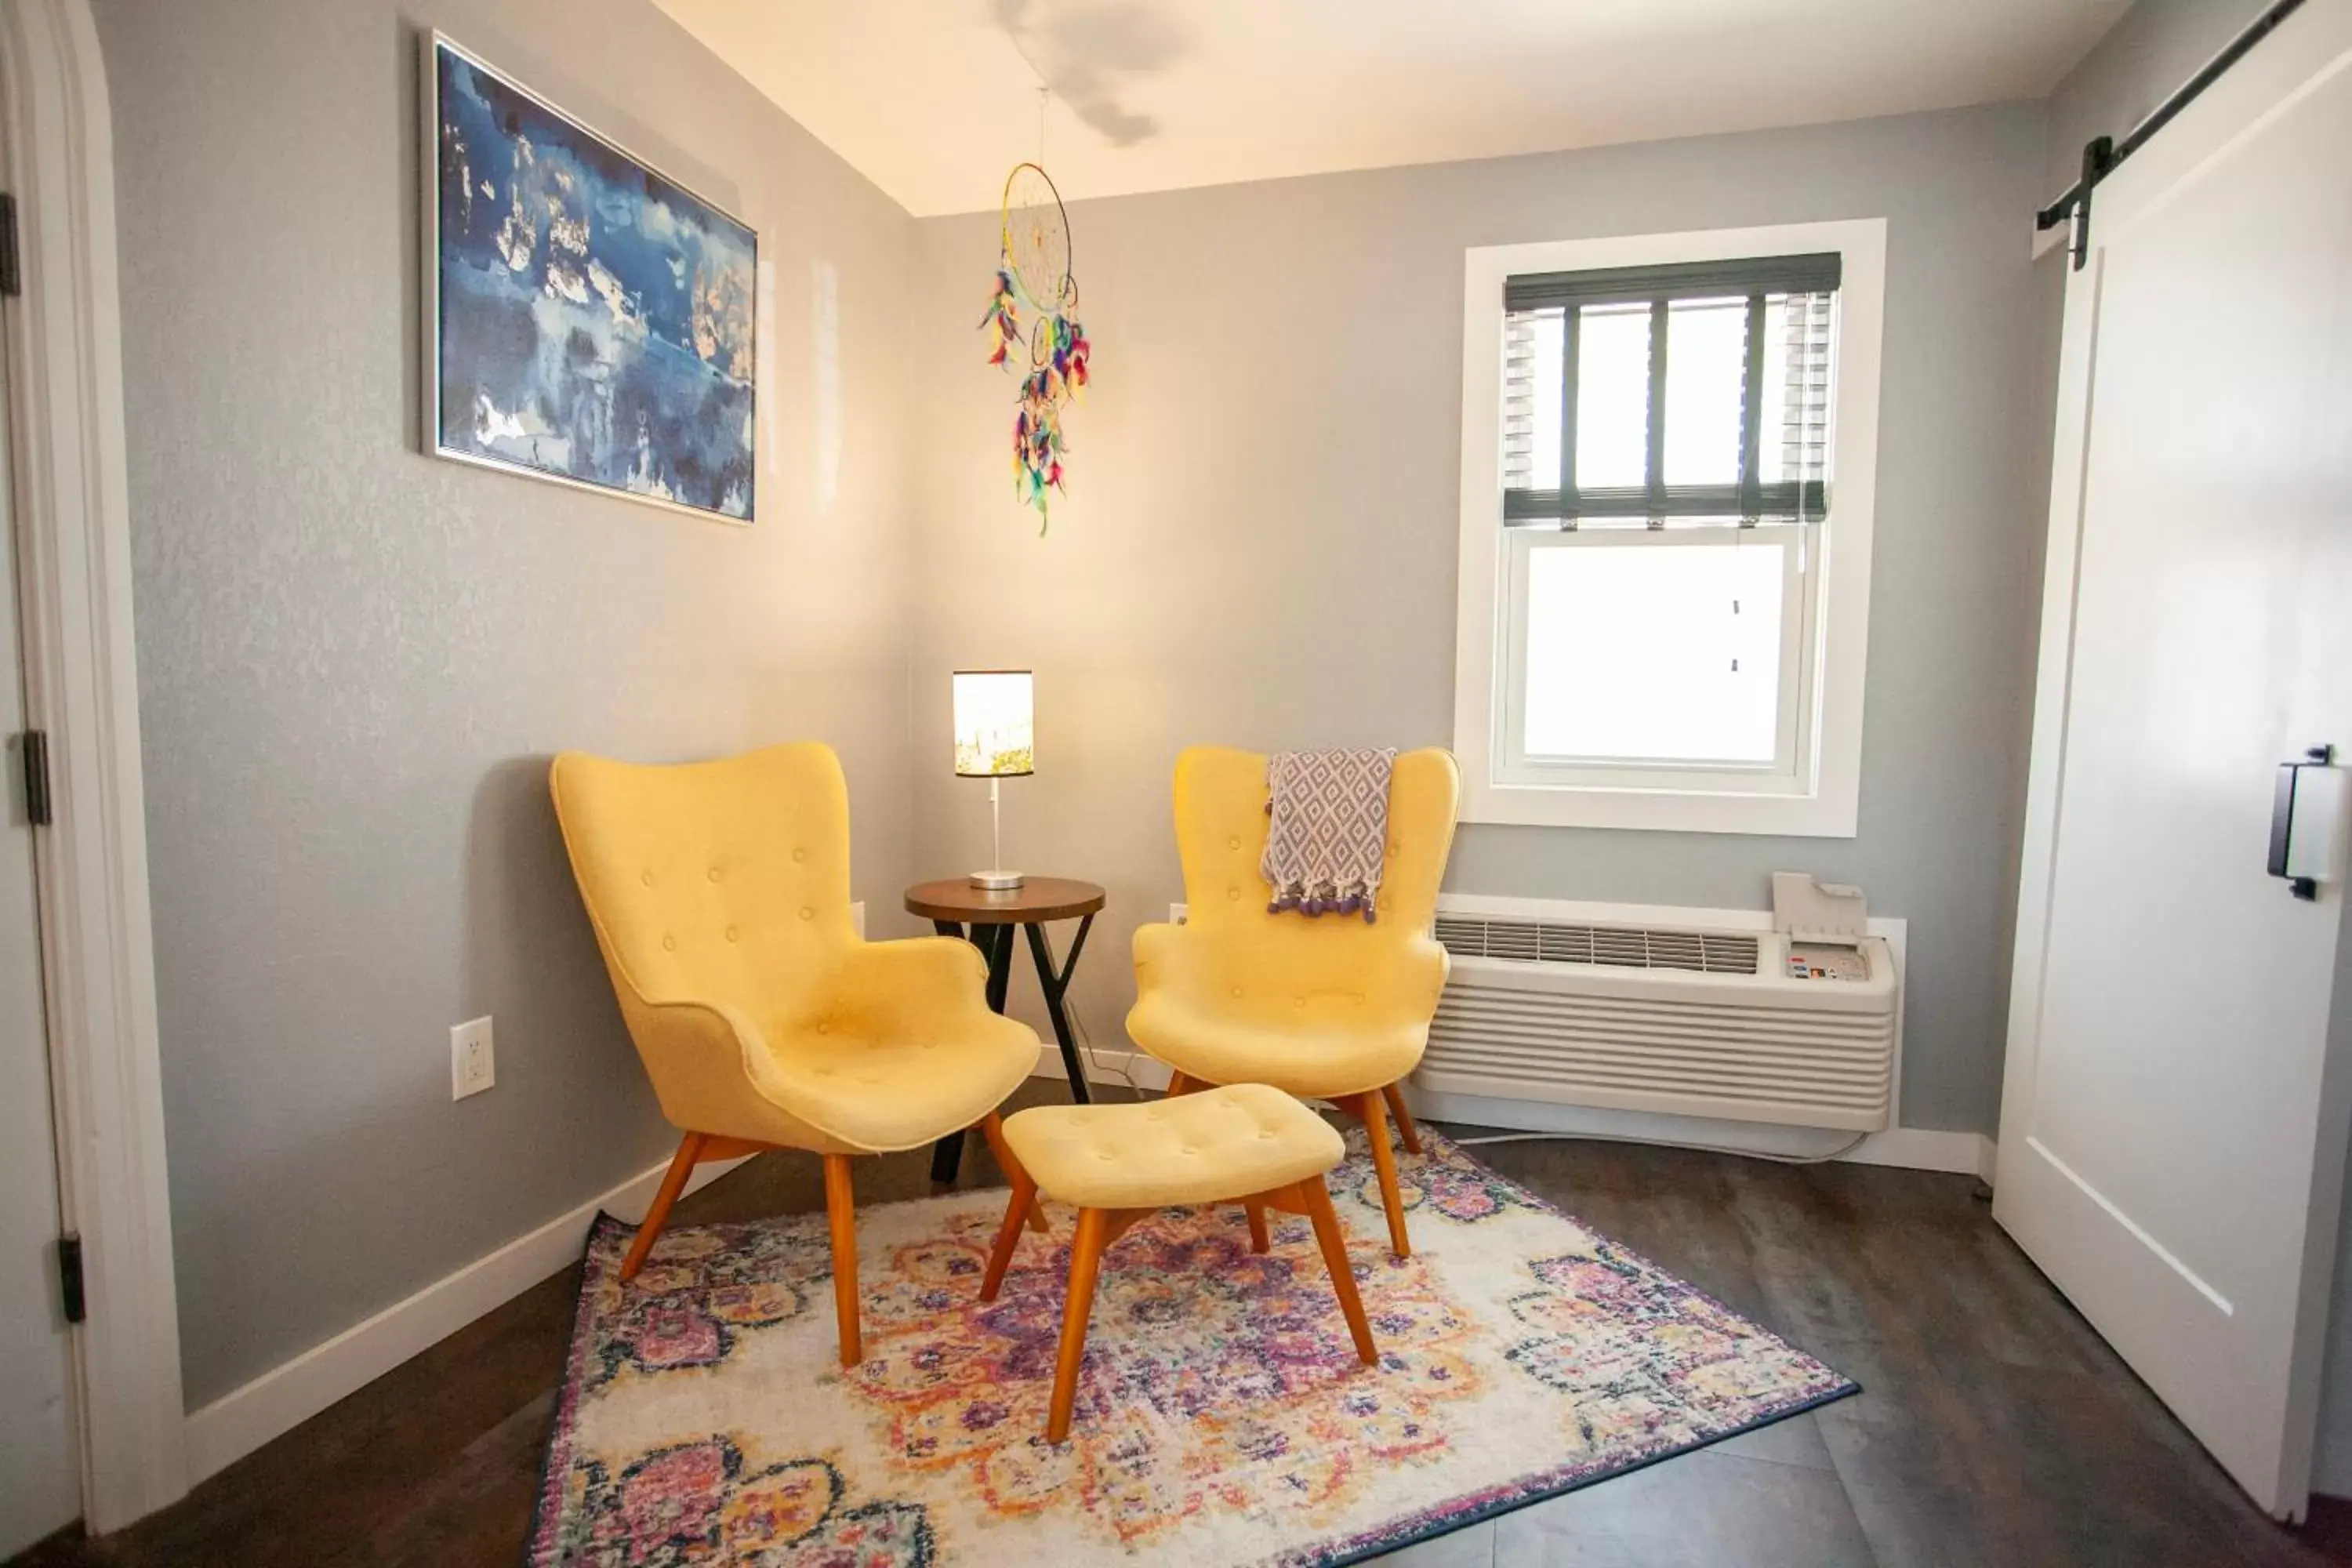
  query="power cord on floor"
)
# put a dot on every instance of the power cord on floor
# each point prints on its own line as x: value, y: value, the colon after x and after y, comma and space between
x: 1125, y: 1070
x: 1846, y: 1148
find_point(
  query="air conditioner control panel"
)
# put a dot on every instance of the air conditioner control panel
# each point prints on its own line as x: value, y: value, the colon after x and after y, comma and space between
x: 1817, y: 961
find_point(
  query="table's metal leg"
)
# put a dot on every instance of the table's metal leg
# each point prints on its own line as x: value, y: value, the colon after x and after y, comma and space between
x: 995, y: 944
x: 1055, y: 984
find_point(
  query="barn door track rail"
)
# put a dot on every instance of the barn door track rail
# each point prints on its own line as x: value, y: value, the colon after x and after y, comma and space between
x: 2103, y: 155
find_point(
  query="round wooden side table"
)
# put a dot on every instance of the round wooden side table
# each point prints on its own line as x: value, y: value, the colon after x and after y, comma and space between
x: 987, y: 917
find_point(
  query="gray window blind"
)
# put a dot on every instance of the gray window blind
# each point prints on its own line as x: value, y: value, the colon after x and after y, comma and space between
x: 1666, y: 396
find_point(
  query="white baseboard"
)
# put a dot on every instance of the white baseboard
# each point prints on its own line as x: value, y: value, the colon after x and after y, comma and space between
x: 284, y: 1397
x: 1913, y: 1148
x: 1105, y: 1067
x: 1929, y: 1148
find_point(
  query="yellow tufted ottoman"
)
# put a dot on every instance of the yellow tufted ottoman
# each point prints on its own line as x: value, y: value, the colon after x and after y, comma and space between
x: 1116, y: 1165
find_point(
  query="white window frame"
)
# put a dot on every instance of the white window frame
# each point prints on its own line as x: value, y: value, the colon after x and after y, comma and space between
x: 1784, y: 774
x: 1815, y: 791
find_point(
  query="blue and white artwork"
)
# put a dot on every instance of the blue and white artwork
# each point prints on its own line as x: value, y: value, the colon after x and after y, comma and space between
x: 596, y: 319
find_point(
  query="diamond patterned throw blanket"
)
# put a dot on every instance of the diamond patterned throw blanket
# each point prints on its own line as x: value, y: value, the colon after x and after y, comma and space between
x: 1325, y: 846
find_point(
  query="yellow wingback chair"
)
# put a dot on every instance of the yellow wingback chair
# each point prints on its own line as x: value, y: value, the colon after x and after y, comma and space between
x: 1327, y: 1008
x: 720, y: 894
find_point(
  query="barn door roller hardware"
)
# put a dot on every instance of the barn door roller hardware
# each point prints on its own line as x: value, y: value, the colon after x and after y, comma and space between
x: 2104, y: 154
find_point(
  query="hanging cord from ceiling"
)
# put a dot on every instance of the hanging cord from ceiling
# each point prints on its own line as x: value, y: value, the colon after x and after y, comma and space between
x: 1044, y: 88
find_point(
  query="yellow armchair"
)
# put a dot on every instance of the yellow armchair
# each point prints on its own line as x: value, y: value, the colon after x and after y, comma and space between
x: 719, y: 895
x: 1327, y: 1008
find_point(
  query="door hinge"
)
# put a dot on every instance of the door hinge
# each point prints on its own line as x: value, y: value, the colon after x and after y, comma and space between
x: 12, y: 275
x: 38, y: 809
x: 69, y: 1282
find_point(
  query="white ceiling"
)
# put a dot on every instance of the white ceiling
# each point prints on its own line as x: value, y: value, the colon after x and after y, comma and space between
x: 934, y: 99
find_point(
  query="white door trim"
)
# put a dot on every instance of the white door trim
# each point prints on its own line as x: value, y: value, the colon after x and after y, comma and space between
x: 63, y: 342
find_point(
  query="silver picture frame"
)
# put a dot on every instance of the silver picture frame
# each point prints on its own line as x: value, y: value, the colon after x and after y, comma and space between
x: 430, y: 45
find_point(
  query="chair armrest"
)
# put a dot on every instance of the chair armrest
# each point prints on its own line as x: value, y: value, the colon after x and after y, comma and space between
x: 1169, y: 957
x: 1413, y: 983
x: 692, y: 1022
x: 917, y: 977
x: 701, y: 1056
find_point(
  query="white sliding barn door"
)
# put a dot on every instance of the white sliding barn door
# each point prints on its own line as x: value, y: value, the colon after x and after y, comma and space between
x: 2173, y: 1122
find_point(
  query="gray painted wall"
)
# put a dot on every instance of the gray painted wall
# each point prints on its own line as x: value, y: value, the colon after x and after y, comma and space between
x: 1259, y: 542
x: 2158, y: 45
x: 354, y: 659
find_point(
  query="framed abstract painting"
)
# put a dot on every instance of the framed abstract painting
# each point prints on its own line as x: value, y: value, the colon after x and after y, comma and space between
x: 588, y: 319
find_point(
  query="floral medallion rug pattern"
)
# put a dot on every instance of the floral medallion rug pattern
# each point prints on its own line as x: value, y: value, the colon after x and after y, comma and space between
x: 1221, y: 1414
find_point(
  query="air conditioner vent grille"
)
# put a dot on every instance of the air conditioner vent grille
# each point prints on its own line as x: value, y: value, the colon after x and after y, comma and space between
x: 1546, y: 942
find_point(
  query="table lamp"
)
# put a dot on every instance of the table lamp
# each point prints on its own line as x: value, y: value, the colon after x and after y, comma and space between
x: 995, y: 737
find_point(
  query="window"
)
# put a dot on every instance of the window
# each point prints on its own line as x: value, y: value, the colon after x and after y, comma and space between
x: 1668, y: 453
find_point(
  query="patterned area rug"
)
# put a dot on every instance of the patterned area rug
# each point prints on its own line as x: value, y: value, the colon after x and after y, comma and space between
x: 1221, y: 1416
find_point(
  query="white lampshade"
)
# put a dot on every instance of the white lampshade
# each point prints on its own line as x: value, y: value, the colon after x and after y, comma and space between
x: 995, y: 723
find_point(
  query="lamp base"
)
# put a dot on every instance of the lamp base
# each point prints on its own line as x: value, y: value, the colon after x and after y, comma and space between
x: 995, y: 881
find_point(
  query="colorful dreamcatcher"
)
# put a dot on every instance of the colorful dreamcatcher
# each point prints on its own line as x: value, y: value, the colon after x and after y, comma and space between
x: 1034, y: 282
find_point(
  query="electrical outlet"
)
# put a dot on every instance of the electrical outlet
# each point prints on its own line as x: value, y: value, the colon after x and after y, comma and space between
x: 473, y: 1058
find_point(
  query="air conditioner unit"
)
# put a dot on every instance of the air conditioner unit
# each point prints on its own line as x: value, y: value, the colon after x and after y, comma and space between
x: 1682, y: 1020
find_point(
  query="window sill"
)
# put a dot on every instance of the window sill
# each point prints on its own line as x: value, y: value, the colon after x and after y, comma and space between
x: 1820, y: 816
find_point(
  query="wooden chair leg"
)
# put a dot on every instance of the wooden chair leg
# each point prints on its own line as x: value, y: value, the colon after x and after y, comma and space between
x: 1179, y: 1084
x: 1317, y: 1200
x: 1367, y: 1105
x: 1008, y: 1234
x: 840, y: 1207
x: 1086, y: 1263
x: 1394, y: 1095
x: 991, y: 1127
x: 1260, y: 1241
x: 681, y: 1165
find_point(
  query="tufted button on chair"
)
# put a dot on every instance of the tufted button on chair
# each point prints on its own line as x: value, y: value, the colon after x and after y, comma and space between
x: 1329, y: 1008
x: 763, y: 1019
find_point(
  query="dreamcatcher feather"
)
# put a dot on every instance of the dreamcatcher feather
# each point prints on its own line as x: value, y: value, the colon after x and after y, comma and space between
x: 1034, y: 273
x: 1003, y: 321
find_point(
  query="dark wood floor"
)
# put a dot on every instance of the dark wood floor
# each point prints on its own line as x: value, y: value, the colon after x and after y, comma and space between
x: 1994, y: 1427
